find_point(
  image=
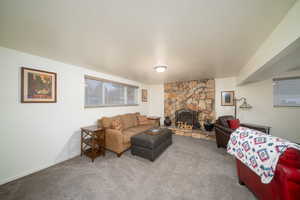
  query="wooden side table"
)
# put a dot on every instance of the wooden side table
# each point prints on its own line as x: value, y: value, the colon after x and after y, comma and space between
x: 92, y: 141
x: 156, y: 119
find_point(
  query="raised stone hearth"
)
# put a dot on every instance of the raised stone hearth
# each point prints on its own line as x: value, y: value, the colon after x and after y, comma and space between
x: 197, y: 95
x: 195, y: 133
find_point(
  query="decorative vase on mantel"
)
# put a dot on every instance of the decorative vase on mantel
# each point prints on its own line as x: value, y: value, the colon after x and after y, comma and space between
x: 167, y: 121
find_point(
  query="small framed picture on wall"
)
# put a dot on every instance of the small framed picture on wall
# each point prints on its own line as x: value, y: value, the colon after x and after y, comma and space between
x: 144, y: 95
x: 37, y: 86
x: 227, y: 98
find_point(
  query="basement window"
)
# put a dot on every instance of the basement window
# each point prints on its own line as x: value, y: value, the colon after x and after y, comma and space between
x: 106, y: 93
x: 286, y: 92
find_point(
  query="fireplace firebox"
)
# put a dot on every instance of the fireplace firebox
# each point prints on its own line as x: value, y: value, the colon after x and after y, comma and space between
x: 190, y: 117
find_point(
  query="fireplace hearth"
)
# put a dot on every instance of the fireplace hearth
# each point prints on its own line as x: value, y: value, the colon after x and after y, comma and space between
x: 187, y: 116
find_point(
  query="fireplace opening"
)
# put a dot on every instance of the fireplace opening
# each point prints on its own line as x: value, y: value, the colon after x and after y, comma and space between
x: 187, y: 117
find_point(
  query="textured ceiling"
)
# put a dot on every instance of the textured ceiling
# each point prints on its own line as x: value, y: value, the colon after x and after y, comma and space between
x: 195, y: 38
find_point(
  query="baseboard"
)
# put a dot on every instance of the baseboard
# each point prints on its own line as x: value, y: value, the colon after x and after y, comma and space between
x: 32, y: 171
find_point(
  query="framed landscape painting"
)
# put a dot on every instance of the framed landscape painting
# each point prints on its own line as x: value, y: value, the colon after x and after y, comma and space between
x: 227, y: 98
x: 37, y: 86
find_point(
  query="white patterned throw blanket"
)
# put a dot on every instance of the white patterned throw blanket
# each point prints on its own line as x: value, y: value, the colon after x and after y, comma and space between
x: 258, y: 151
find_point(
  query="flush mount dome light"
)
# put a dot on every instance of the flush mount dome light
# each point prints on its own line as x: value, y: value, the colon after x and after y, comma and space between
x: 160, y: 68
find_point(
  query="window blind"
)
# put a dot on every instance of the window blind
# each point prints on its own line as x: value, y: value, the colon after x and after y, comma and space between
x: 100, y: 92
x: 286, y: 91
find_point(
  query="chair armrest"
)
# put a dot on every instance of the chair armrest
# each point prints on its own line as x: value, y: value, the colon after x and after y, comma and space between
x: 224, y: 129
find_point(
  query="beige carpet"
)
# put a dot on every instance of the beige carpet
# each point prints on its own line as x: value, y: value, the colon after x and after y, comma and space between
x: 189, y: 169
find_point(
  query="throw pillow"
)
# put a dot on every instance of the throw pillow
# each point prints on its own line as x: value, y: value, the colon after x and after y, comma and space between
x: 234, y: 123
x: 116, y: 124
x: 143, y: 120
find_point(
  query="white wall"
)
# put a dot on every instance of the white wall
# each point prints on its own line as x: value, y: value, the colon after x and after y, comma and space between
x: 284, y: 120
x: 284, y: 34
x: 156, y: 101
x: 225, y: 84
x: 36, y: 136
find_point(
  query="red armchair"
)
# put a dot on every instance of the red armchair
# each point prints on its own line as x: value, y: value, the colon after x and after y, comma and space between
x: 285, y: 185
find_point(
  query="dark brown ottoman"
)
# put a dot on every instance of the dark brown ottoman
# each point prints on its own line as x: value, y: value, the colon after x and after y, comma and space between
x: 151, y: 143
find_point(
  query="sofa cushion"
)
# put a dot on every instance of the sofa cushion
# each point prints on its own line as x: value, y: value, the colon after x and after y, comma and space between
x: 128, y: 133
x: 140, y: 128
x: 127, y: 121
x: 234, y: 123
x: 134, y: 118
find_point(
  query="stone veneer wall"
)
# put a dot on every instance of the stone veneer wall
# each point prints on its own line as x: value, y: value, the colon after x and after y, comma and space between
x: 198, y: 95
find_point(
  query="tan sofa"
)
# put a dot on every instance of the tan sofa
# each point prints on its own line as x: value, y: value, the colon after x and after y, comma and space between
x: 119, y: 141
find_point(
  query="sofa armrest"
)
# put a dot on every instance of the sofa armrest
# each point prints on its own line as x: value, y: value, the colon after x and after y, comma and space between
x: 113, y: 137
x: 154, y: 123
x: 151, y: 122
x: 224, y: 129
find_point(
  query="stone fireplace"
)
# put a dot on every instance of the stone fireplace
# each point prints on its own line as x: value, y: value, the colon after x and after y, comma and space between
x: 190, y: 101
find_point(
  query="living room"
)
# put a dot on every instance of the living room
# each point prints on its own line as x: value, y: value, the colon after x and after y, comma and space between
x: 168, y: 71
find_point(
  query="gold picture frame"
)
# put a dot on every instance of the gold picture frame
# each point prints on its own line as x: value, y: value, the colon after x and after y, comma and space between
x: 38, y: 86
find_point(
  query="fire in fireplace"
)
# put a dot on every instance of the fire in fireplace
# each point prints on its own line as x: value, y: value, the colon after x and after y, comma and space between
x: 187, y: 116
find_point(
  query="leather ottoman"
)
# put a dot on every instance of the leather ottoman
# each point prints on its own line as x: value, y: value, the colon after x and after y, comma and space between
x: 150, y: 146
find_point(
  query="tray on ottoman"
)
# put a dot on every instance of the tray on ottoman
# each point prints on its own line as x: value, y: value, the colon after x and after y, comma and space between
x: 151, y: 143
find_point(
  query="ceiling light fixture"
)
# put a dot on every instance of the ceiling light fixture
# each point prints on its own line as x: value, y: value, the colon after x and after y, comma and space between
x: 160, y: 68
